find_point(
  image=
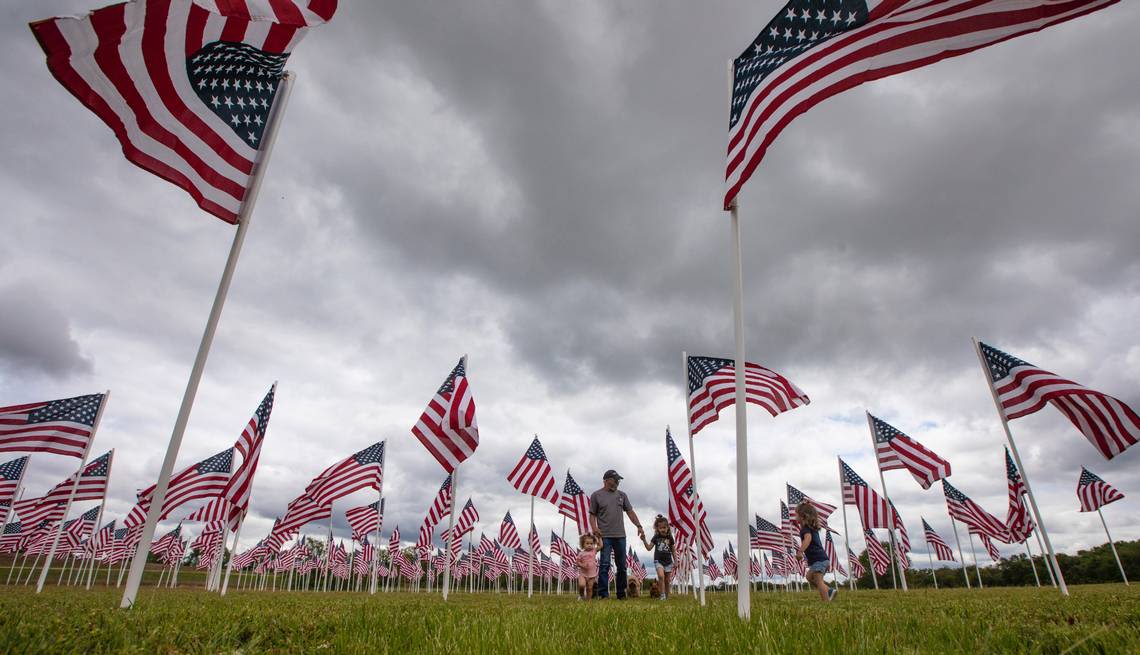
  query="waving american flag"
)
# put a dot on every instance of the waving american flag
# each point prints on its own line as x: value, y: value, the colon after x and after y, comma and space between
x: 1022, y: 389
x: 11, y: 475
x: 361, y: 470
x: 813, y: 50
x: 1095, y: 493
x: 533, y: 476
x: 712, y: 387
x: 969, y: 512
x: 206, y: 479
x: 61, y: 427
x: 942, y: 551
x: 447, y: 428
x: 187, y: 87
x: 574, y: 504
x: 895, y: 450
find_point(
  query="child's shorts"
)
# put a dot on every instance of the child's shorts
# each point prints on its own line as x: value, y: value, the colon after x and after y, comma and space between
x: 818, y: 567
x: 668, y: 568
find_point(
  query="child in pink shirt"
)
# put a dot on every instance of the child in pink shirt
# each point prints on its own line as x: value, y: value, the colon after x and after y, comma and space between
x: 587, y: 566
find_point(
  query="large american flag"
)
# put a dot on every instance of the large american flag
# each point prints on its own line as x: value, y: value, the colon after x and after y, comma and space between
x: 1022, y: 389
x: 11, y: 474
x: 857, y: 569
x: 1018, y: 520
x: 394, y: 541
x: 32, y: 511
x: 185, y: 86
x: 364, y: 520
x: 813, y: 50
x: 976, y: 519
x: 92, y: 482
x: 508, y: 533
x: 768, y: 536
x: 205, y: 479
x: 62, y: 427
x: 464, y: 523
x: 300, y: 512
x: 942, y: 552
x: 361, y: 470
x: 1094, y: 493
x: 712, y: 387
x: 873, y: 509
x: 896, y: 450
x: 532, y: 539
x: 795, y: 497
x: 248, y: 444
x: 880, y: 560
x: 574, y: 504
x: 533, y: 476
x: 686, y: 511
x: 447, y: 428
x: 11, y: 536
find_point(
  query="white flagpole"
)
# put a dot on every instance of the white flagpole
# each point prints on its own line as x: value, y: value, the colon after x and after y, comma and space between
x: 887, y: 496
x: 743, y: 600
x: 450, y: 525
x: 1112, y: 545
x: 74, y: 489
x: 1029, y: 554
x: 974, y: 554
x: 931, y: 558
x: 98, y: 519
x: 562, y: 551
x: 233, y: 553
x: 693, y: 469
x: 379, y: 515
x: 961, y: 557
x: 1044, y: 560
x: 530, y: 560
x: 17, y: 494
x: 846, y: 532
x: 1020, y: 467
x: 138, y: 564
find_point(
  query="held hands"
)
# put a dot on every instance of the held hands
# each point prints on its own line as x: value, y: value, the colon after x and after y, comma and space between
x: 641, y: 532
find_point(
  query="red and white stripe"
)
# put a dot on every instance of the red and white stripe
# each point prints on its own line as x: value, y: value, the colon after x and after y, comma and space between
x: 900, y: 35
x: 127, y: 64
x: 363, y: 520
x: 346, y: 477
x: 762, y: 386
x: 991, y: 548
x: 1094, y: 492
x: 216, y: 510
x: 942, y: 551
x: 188, y: 485
x: 32, y: 511
x: 90, y: 487
x: 1110, y: 425
x: 880, y: 560
x: 509, y: 533
x: 249, y: 444
x: 575, y: 506
x: 59, y: 437
x: 533, y: 475
x: 448, y: 428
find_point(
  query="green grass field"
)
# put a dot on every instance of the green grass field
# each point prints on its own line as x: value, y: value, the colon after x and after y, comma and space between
x: 1096, y: 619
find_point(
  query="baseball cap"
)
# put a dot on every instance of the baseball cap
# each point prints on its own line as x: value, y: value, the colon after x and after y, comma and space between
x: 612, y: 474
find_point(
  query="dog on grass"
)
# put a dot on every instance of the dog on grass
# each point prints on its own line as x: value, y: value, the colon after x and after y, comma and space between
x: 633, y: 590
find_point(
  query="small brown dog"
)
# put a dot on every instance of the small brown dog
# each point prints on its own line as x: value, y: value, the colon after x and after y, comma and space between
x: 655, y: 589
x: 633, y: 590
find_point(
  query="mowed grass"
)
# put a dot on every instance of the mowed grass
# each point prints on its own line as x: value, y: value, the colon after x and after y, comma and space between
x: 1095, y: 619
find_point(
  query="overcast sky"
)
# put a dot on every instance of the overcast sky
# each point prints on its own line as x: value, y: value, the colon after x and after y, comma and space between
x: 538, y: 184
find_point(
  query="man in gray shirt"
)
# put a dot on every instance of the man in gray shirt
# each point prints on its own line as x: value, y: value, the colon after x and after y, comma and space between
x: 606, y: 507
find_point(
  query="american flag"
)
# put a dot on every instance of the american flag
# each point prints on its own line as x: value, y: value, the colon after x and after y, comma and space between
x: 809, y: 52
x: 362, y: 470
x: 164, y: 543
x: 768, y: 536
x: 1094, y: 493
x: 218, y: 509
x: 362, y: 565
x: 92, y: 482
x: 880, y: 560
x: 62, y: 427
x: 768, y: 572
x: 11, y: 536
x: 441, y: 505
x: 33, y: 511
x: 300, y: 512
x: 942, y: 552
x: 447, y: 428
x: 897, y: 524
x: 795, y: 497
x: 558, y: 546
x: 857, y: 569
x: 427, y: 534
x: 364, y: 520
x: 508, y: 533
x: 712, y: 387
x: 533, y: 475
x: 76, y: 530
x: 1018, y: 520
x: 205, y: 479
x: 100, y: 544
x: 464, y: 523
x: 238, y: 490
x: 574, y: 504
x: 833, y: 556
x: 728, y: 556
x: 873, y: 509
x: 896, y: 450
x: 713, y: 569
x: 967, y: 511
x: 186, y: 87
x: 991, y: 549
x: 394, y: 541
x: 11, y: 474
x: 1022, y: 389
x: 533, y: 540
x: 686, y: 511
x: 786, y: 524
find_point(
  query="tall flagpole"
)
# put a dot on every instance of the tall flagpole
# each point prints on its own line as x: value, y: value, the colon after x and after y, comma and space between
x: 961, y: 557
x: 530, y: 560
x: 74, y: 489
x: 1032, y: 565
x: 846, y: 538
x: 743, y: 601
x: 1020, y: 467
x: 974, y: 554
x: 890, y: 529
x: 450, y: 523
x: 693, y: 469
x: 159, y: 497
x: 379, y: 515
x: 99, y: 518
x: 930, y: 557
x: 1110, y: 544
